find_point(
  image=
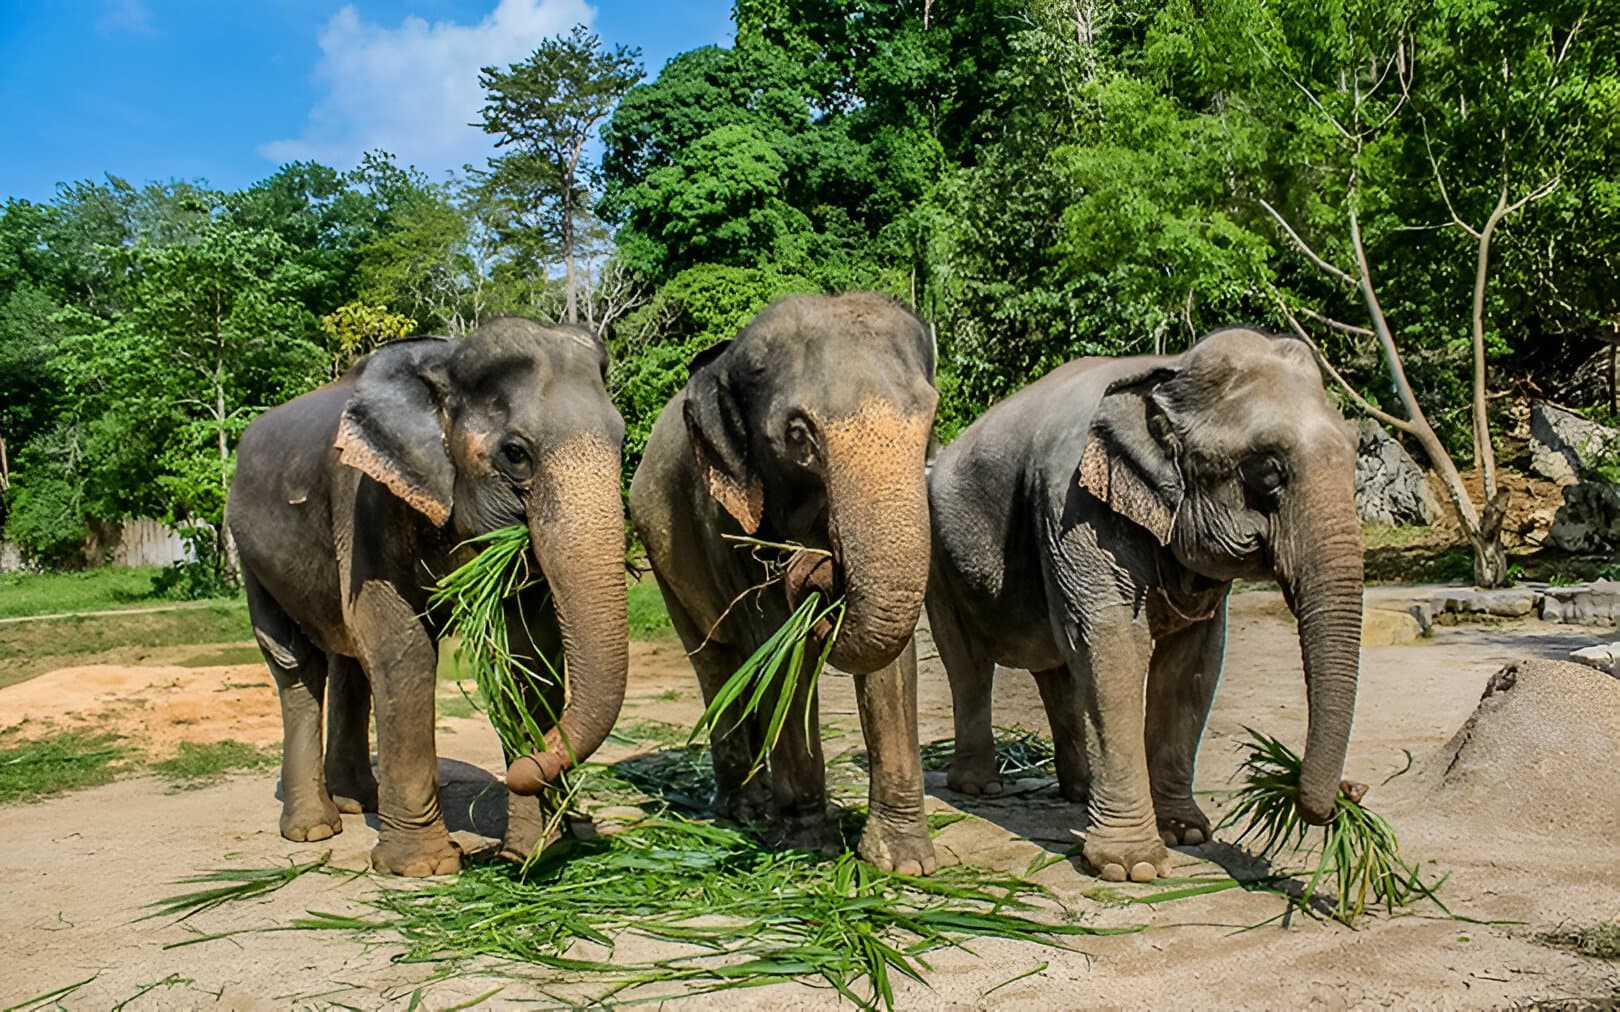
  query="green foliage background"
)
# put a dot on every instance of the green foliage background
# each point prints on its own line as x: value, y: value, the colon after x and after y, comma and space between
x: 1041, y: 179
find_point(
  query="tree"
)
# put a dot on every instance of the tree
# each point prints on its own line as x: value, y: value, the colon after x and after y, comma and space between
x: 544, y: 111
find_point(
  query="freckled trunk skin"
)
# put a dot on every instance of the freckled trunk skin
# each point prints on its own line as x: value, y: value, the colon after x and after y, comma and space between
x: 576, y: 522
x: 877, y: 506
x: 1321, y: 572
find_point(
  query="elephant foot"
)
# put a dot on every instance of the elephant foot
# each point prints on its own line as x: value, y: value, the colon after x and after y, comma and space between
x: 1118, y: 857
x: 817, y: 834
x: 898, y: 845
x: 974, y: 776
x: 308, y: 821
x: 1078, y: 792
x: 526, y: 833
x: 749, y: 804
x: 353, y: 790
x: 1184, y: 826
x: 416, y: 855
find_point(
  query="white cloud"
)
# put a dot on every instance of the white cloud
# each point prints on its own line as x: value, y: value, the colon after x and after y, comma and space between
x: 413, y: 89
x: 129, y: 16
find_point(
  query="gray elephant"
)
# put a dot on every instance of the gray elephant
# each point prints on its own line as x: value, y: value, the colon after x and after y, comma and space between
x: 810, y: 427
x: 1088, y: 529
x: 349, y: 500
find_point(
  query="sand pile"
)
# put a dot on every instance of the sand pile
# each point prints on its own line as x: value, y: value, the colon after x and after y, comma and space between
x: 1537, y: 756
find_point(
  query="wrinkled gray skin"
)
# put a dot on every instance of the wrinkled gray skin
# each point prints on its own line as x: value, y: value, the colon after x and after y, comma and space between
x: 348, y: 501
x: 810, y: 427
x: 1088, y: 529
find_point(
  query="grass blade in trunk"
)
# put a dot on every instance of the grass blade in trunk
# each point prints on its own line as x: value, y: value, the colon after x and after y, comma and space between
x: 475, y: 595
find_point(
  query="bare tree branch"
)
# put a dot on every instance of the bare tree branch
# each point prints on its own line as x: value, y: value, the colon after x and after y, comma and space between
x: 1340, y: 325
x: 1321, y: 265
x: 1363, y: 403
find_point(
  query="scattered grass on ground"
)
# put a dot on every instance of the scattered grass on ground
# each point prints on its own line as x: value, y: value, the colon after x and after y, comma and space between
x: 1600, y: 941
x: 1020, y: 752
x: 30, y: 770
x: 31, y: 648
x: 196, y: 764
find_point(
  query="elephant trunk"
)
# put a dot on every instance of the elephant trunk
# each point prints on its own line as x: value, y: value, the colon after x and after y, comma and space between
x: 576, y: 524
x: 877, y: 520
x: 1320, y: 569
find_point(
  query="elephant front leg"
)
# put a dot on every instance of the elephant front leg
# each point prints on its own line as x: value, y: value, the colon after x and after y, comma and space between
x: 801, y: 817
x: 348, y: 738
x: 1110, y: 667
x: 1186, y: 668
x: 400, y: 659
x: 896, y: 834
x: 534, y: 641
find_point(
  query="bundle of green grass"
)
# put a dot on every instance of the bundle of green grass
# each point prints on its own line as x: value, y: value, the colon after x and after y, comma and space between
x: 474, y: 595
x: 1359, y: 850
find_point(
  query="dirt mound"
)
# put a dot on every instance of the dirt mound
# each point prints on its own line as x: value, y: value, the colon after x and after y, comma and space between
x: 157, y: 705
x: 1537, y: 755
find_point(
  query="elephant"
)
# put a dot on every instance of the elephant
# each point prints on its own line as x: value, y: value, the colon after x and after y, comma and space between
x: 351, y: 499
x: 1089, y: 527
x: 810, y: 427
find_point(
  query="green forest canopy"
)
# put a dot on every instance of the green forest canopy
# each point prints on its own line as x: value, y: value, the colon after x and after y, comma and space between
x: 1042, y: 179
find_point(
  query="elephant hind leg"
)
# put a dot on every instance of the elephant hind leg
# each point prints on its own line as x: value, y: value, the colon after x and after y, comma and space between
x: 349, y: 776
x: 971, y: 672
x: 1185, y: 669
x: 299, y: 669
x: 1061, y: 699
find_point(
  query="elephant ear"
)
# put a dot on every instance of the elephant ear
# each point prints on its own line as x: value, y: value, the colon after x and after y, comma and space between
x: 719, y: 436
x: 1129, y: 461
x: 392, y: 428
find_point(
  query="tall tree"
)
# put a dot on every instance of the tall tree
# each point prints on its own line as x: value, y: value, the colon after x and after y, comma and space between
x: 544, y: 111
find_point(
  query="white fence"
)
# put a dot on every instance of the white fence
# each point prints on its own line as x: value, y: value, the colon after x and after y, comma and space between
x: 141, y: 542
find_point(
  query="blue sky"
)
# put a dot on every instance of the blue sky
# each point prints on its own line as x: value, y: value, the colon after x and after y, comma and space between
x: 224, y: 91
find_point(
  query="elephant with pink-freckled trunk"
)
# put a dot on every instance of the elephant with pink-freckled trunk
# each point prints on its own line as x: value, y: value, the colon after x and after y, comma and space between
x: 351, y: 500
x: 810, y: 428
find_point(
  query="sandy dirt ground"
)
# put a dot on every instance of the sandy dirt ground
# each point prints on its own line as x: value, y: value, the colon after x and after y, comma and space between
x: 78, y: 869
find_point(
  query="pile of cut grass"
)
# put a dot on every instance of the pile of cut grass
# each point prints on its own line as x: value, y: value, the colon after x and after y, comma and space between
x: 475, y: 596
x: 1359, y: 850
x: 754, y: 916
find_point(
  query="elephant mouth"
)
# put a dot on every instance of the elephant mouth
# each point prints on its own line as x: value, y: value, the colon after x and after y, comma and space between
x: 814, y: 572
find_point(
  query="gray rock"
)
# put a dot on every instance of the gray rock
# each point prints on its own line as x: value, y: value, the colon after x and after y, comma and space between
x: 1510, y: 602
x: 1381, y: 627
x: 1601, y: 656
x: 1562, y: 443
x: 1391, y: 488
x: 1589, y: 519
x: 1596, y: 603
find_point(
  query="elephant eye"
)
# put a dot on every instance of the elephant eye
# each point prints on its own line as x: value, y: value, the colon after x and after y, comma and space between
x: 799, y: 440
x: 515, y: 460
x: 1264, y: 474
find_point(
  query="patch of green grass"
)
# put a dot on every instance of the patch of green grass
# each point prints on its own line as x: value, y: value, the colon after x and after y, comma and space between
x: 649, y: 620
x: 1600, y: 941
x: 30, y: 648
x: 1380, y: 536
x: 644, y: 732
x: 1424, y: 563
x: 195, y: 764
x: 78, y: 590
x: 30, y: 770
x: 458, y: 703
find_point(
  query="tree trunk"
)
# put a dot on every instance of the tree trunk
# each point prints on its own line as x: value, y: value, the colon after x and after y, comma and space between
x: 571, y: 305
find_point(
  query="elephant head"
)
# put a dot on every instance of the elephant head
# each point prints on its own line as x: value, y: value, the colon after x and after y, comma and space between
x: 513, y: 424
x: 811, y: 427
x: 1233, y: 457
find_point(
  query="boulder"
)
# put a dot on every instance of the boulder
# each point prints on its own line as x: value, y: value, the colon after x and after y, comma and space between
x: 1589, y: 519
x: 1563, y: 444
x: 1381, y: 627
x: 1509, y: 602
x: 1602, y: 656
x: 1536, y: 756
x: 1390, y: 486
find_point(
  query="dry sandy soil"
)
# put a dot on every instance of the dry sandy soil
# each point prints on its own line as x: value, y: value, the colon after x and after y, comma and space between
x: 78, y: 869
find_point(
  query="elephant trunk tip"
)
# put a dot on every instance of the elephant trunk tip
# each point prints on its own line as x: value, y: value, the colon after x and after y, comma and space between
x: 530, y: 774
